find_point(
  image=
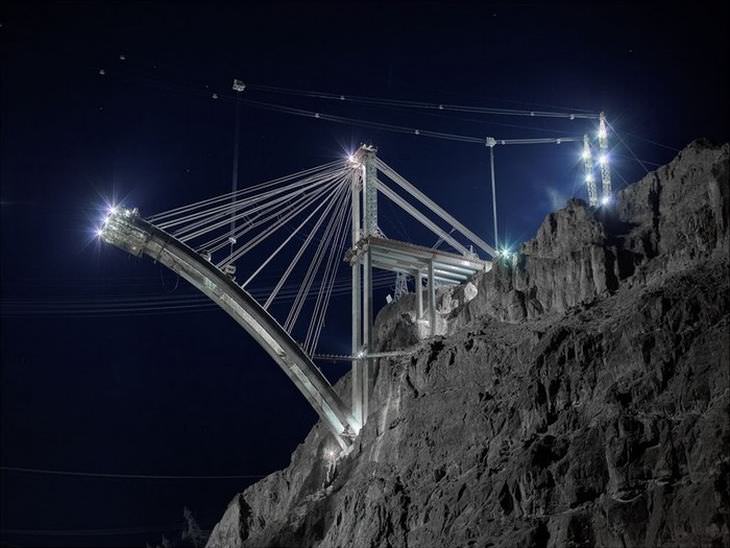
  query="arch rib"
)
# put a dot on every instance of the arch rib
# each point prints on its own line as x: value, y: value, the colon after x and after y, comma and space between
x: 128, y: 231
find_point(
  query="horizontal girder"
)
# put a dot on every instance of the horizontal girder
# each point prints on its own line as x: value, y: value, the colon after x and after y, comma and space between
x: 409, y: 258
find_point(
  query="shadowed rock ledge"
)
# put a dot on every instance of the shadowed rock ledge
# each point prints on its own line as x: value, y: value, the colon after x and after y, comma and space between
x: 578, y: 395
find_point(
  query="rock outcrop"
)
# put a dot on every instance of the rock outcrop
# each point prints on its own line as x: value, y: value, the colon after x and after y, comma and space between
x: 579, y: 395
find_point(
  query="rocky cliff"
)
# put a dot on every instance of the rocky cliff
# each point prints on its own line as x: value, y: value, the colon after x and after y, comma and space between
x: 577, y: 395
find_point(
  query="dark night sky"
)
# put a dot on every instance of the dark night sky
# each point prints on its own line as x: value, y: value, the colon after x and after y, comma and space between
x: 190, y: 394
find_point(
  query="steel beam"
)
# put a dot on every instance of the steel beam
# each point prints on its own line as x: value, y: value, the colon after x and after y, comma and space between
x: 471, y: 264
x: 356, y: 346
x: 433, y: 206
x: 420, y: 217
x: 356, y: 402
x: 461, y: 273
x: 367, y: 333
x: 395, y: 265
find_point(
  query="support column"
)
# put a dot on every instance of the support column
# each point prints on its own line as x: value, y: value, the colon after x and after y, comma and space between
x: 431, y: 298
x: 419, y: 295
x: 366, y: 157
x: 356, y: 345
x: 356, y: 306
x: 367, y: 330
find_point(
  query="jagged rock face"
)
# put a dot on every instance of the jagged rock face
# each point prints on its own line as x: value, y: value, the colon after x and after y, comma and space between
x: 679, y: 212
x: 674, y: 217
x: 581, y: 398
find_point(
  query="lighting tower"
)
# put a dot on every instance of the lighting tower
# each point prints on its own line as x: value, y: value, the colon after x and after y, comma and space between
x: 603, y: 159
x: 588, y: 167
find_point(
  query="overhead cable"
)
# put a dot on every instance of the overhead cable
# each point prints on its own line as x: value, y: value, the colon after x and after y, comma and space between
x: 576, y: 114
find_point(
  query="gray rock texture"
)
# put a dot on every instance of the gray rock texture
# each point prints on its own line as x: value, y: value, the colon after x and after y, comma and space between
x: 579, y: 395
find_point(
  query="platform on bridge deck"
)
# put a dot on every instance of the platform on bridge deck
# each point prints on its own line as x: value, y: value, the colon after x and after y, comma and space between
x: 396, y: 256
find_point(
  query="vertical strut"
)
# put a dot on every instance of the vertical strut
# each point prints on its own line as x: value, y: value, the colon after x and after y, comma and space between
x: 367, y: 330
x: 494, y: 197
x: 431, y: 298
x: 356, y: 306
x: 366, y: 155
x: 363, y: 225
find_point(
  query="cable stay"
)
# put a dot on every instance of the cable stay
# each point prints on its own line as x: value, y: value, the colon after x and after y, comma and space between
x: 433, y: 207
x: 227, y: 196
x: 309, y: 202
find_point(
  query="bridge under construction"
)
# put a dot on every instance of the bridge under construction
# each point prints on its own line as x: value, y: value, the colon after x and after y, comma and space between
x: 303, y: 220
x: 204, y: 243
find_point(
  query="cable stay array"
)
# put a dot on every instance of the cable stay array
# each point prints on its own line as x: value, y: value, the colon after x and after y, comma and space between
x: 300, y: 222
x: 300, y: 219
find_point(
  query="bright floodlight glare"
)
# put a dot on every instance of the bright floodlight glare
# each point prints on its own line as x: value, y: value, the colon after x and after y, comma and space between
x: 605, y: 200
x: 603, y: 159
x: 112, y: 210
x: 99, y: 232
x: 589, y: 178
x: 601, y: 133
x: 585, y: 154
